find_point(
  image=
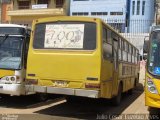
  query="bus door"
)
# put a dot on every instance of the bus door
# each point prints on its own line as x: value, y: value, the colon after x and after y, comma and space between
x: 115, y: 66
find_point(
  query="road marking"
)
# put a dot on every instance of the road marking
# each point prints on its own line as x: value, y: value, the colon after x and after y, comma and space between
x: 47, y: 103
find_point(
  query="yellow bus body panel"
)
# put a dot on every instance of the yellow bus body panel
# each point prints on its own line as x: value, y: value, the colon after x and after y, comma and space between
x: 57, y: 66
x: 4, y: 73
x: 152, y: 100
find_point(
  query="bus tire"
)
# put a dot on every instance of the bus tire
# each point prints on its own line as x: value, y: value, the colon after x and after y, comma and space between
x: 117, y: 99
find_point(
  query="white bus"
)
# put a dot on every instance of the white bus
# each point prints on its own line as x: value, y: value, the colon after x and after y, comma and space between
x: 14, y: 41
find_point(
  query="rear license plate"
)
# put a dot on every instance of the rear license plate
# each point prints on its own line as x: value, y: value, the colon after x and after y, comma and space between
x: 61, y: 83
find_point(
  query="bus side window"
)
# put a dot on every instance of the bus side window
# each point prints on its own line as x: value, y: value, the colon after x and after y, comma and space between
x: 120, y: 48
x: 107, y: 48
x: 109, y: 36
x: 133, y: 60
x: 136, y: 56
x: 119, y: 43
x: 104, y: 35
x: 125, y: 51
x: 123, y: 45
x: 130, y: 54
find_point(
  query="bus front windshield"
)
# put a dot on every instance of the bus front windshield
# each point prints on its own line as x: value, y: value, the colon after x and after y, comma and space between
x: 154, y: 56
x: 10, y: 52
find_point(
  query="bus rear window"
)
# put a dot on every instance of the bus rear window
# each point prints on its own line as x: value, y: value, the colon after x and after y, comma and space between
x: 65, y: 35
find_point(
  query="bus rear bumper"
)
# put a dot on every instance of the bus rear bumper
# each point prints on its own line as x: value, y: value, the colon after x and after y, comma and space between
x: 12, y: 89
x: 67, y: 91
x: 152, y: 101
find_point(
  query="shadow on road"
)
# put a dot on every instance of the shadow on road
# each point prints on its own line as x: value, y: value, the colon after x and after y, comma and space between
x: 21, y: 102
x: 87, y: 108
x: 154, y: 113
x: 78, y: 107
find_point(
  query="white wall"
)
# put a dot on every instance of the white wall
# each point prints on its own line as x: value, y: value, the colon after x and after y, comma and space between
x: 100, y: 6
x: 142, y: 21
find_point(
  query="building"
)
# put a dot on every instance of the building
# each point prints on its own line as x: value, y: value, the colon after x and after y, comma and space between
x: 111, y: 11
x: 128, y: 16
x: 24, y: 11
x: 5, y: 5
x: 141, y: 15
x: 132, y: 18
x: 5, y: 18
x: 140, y: 18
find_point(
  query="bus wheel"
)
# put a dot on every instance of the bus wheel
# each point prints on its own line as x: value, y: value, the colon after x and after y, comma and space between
x: 117, y: 99
x: 40, y: 97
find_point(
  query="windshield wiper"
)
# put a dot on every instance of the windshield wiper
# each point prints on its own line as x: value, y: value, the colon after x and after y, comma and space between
x: 3, y: 40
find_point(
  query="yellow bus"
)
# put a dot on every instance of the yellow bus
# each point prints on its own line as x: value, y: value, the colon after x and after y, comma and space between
x: 80, y: 56
x: 14, y: 43
x: 152, y: 75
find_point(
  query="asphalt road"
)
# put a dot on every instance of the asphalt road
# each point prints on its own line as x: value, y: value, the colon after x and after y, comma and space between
x: 58, y: 108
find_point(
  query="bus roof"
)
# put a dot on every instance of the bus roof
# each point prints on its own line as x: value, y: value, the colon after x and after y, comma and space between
x: 12, y: 25
x: 66, y: 18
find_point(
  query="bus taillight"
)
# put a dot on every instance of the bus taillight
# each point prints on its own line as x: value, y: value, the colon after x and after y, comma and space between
x: 92, y: 85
